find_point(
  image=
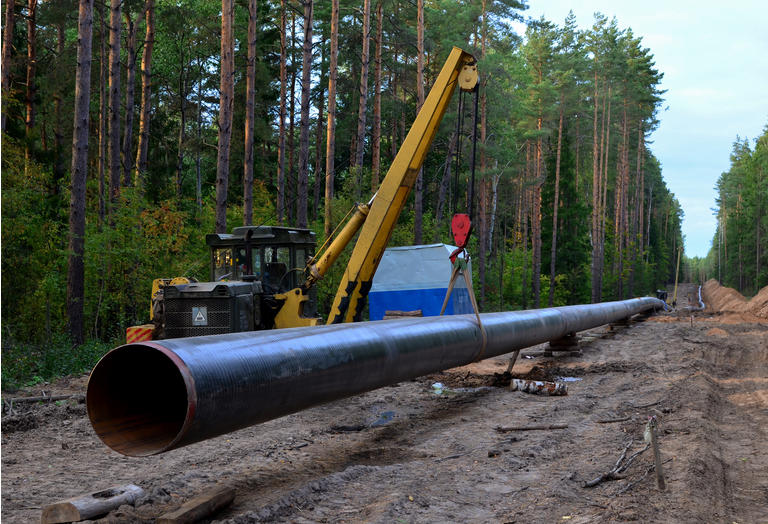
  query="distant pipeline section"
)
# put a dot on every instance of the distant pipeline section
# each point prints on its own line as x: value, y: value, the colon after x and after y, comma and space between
x: 151, y: 397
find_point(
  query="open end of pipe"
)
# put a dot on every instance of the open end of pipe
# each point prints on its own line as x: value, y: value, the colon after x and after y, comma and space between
x: 137, y: 400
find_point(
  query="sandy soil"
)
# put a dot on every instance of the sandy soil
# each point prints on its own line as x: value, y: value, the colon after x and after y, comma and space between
x: 726, y: 300
x: 406, y: 454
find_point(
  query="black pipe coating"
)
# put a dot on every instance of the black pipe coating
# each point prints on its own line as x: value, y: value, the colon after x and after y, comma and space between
x: 151, y: 397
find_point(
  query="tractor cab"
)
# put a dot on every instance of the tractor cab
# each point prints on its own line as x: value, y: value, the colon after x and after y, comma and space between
x: 275, y: 256
x: 249, y: 267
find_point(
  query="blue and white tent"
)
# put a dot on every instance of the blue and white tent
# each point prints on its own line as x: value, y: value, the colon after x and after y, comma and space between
x: 417, y: 277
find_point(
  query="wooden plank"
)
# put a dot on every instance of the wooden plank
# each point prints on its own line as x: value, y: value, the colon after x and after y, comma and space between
x: 200, y: 507
x: 90, y: 505
x: 398, y: 313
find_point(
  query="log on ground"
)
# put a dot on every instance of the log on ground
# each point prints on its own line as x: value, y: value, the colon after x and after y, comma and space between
x: 90, y: 505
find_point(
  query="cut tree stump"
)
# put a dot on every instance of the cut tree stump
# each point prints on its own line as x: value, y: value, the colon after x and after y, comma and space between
x: 200, y: 507
x: 90, y: 505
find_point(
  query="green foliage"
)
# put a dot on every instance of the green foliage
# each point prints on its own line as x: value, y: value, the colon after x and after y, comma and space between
x: 29, y: 364
x: 159, y: 230
x: 34, y: 249
x: 740, y: 245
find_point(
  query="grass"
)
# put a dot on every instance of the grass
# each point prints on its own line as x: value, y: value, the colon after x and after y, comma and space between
x: 26, y: 365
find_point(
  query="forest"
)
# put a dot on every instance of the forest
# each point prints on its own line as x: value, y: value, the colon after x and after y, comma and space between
x: 736, y: 258
x: 132, y: 128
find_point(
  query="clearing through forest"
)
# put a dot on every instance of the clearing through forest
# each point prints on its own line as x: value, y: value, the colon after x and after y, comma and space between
x: 418, y: 453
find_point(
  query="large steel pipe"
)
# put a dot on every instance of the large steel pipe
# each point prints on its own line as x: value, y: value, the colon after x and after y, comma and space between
x: 150, y: 397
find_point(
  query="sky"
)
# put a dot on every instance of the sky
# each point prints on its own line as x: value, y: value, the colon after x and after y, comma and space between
x: 714, y: 56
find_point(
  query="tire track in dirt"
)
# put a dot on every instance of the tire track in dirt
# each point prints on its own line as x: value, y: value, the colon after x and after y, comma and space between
x: 720, y: 438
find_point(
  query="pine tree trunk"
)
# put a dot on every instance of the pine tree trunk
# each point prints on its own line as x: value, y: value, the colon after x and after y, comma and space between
x: 482, y: 241
x: 130, y: 85
x: 536, y: 222
x: 182, y: 127
x: 595, y: 196
x: 362, y: 105
x: 578, y: 160
x: 555, y: 207
x: 648, y: 227
x: 483, y: 193
x: 319, y: 134
x: 418, y: 195
x: 198, y: 167
x: 225, y: 113
x: 604, y: 185
x: 306, y: 86
x: 517, y: 226
x: 102, y: 156
x: 525, y: 212
x: 620, y: 208
x: 624, y: 244
x: 494, y: 182
x: 31, y: 89
x: 115, y: 27
x: 444, y: 184
x: 10, y: 22
x: 250, y: 102
x: 637, y: 221
x: 330, y: 149
x: 59, y: 169
x: 393, y: 143
x: 283, y: 101
x: 76, y: 268
x: 146, y: 93
x: 376, y: 133
x: 291, y: 175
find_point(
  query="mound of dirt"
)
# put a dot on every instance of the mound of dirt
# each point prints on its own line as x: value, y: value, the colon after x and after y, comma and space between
x: 721, y: 299
x: 759, y: 303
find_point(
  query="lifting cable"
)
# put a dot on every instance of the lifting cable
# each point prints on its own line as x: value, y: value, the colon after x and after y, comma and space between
x: 471, y: 189
x: 459, y: 148
x: 460, y: 266
x: 459, y: 132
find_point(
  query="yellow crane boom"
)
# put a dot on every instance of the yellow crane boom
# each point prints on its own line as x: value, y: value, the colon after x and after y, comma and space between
x: 377, y: 220
x: 459, y: 70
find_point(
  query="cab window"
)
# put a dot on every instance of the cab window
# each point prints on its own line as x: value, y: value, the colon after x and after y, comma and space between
x: 276, y: 265
x: 241, y: 264
x: 301, y: 258
x: 256, y: 260
x: 223, y: 267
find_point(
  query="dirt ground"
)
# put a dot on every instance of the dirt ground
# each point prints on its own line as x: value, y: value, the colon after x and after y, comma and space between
x: 408, y: 454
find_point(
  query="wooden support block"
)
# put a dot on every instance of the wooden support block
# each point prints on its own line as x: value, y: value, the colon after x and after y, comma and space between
x: 623, y: 322
x: 569, y: 342
x: 200, y: 507
x: 90, y: 505
x: 642, y: 317
x: 558, y: 352
x: 394, y: 313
